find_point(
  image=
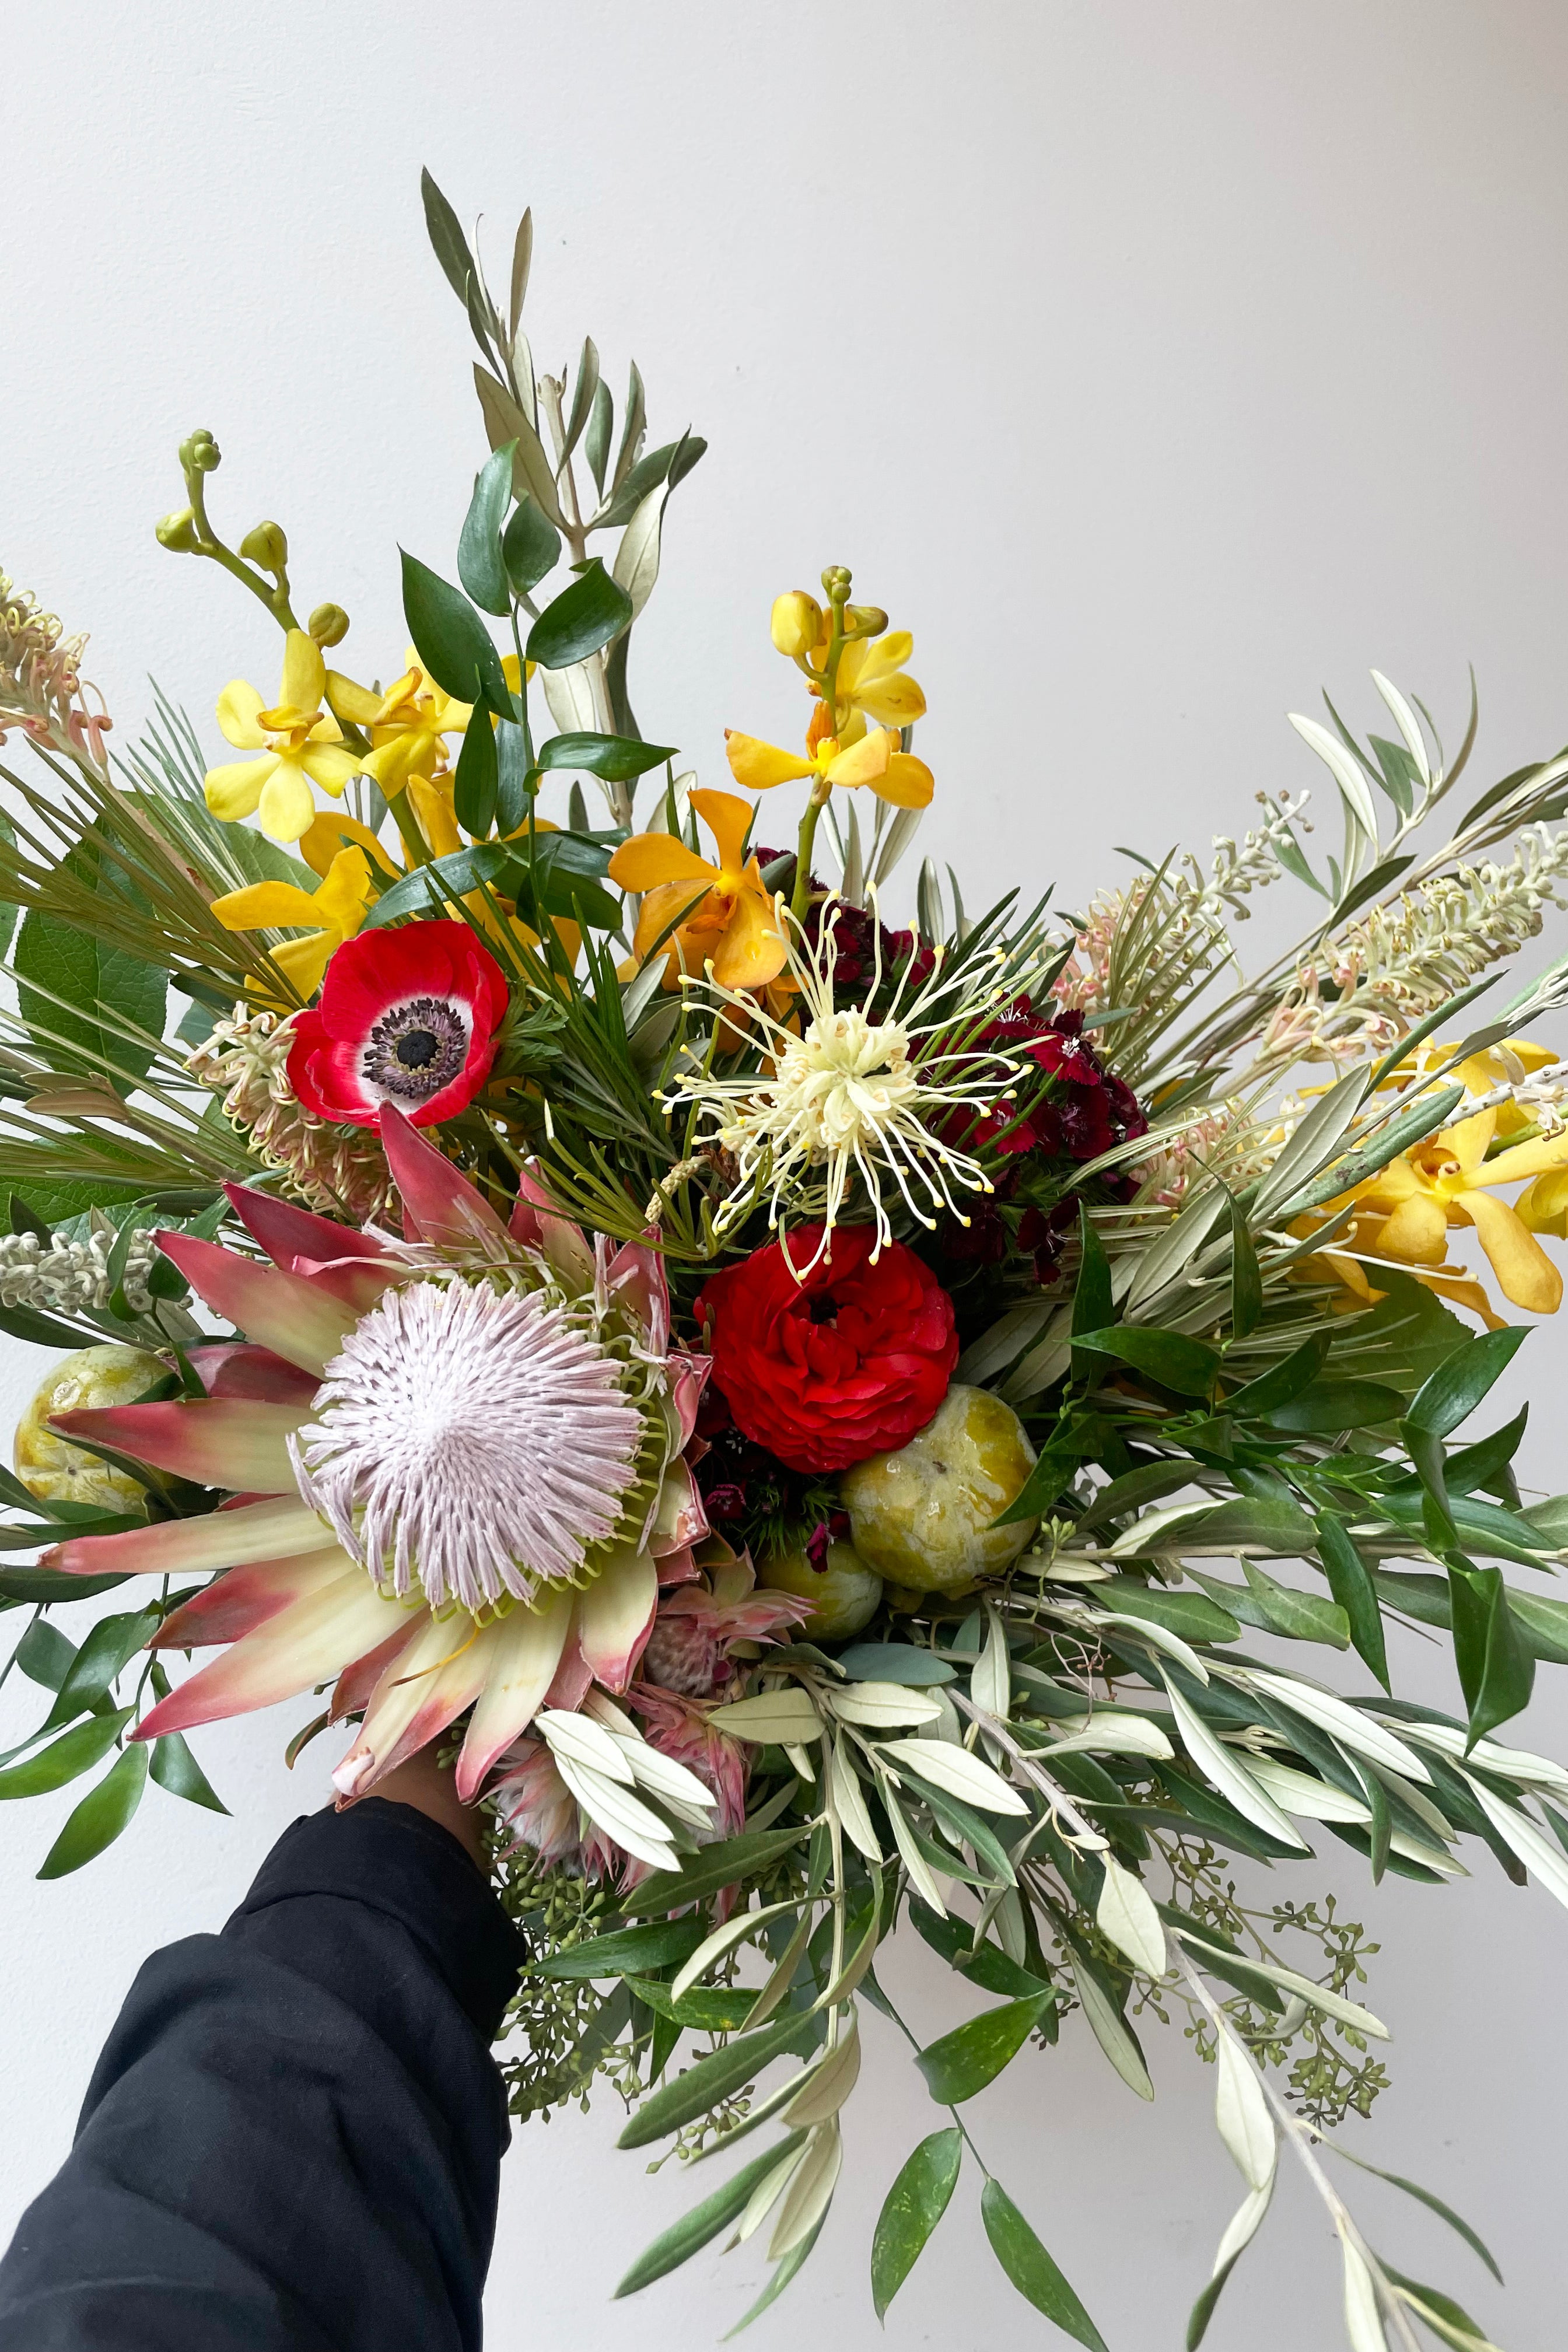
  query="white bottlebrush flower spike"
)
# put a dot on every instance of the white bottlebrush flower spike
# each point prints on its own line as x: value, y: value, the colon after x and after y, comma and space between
x: 856, y: 1096
x: 471, y: 1440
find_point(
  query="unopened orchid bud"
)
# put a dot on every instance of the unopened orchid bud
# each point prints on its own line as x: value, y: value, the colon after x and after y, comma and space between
x: 796, y: 624
x: 265, y: 545
x: 178, y: 532
x: 865, y: 620
x: 328, y: 625
x: 835, y: 579
x: 199, y: 453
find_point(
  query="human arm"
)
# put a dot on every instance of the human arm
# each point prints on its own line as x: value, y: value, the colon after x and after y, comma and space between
x: 292, y: 2138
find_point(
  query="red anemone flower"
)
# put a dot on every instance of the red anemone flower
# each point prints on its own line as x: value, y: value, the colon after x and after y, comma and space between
x: 406, y: 1016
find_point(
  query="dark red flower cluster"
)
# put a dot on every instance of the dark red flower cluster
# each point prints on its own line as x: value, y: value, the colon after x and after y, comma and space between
x: 827, y: 1366
x: 857, y: 936
x: 749, y: 1493
x: 1087, y: 1108
x: 737, y: 1478
x: 1082, y: 1110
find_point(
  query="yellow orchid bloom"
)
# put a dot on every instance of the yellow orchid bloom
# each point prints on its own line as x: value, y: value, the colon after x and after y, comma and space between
x: 407, y: 725
x: 1405, y: 1213
x: 300, y: 743
x: 1449, y: 1179
x: 1354, y: 1249
x: 872, y: 682
x: 333, y: 832
x: 1544, y: 1207
x: 726, y: 915
x: 1508, y: 1063
x: 331, y: 914
x: 874, y: 758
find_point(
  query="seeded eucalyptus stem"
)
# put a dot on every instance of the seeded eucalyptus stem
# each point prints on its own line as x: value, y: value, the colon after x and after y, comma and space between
x: 1300, y: 2140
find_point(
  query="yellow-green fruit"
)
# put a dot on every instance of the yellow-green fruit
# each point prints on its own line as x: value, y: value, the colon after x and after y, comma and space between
x: 923, y: 1515
x: 93, y: 1377
x: 845, y: 1594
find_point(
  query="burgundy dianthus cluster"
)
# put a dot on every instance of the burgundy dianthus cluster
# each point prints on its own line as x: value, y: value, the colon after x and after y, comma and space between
x: 855, y: 938
x: 1086, y: 1111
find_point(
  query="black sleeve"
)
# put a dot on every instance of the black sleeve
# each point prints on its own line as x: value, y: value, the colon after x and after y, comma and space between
x: 292, y: 2140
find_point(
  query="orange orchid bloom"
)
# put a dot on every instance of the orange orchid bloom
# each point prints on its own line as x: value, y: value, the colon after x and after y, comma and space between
x: 724, y: 913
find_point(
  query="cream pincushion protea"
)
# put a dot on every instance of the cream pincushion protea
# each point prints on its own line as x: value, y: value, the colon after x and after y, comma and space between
x: 457, y: 1466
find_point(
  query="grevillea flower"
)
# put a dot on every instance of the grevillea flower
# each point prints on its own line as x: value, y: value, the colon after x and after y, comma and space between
x: 852, y: 1096
x: 406, y: 1017
x: 830, y: 1363
x: 41, y: 688
x: 245, y: 1063
x: 508, y: 1388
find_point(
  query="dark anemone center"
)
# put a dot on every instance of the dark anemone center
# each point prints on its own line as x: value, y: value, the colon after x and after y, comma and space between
x: 416, y: 1048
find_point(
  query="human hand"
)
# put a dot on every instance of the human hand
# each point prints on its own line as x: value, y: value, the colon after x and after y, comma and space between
x: 431, y: 1789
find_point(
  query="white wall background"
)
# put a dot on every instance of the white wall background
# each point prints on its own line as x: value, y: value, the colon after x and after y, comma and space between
x: 1156, y: 362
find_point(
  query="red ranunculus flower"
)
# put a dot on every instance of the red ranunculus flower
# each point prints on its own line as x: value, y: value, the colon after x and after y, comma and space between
x: 847, y: 1362
x: 406, y: 1016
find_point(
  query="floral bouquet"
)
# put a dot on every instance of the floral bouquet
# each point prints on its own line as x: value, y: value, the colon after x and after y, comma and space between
x: 831, y: 1429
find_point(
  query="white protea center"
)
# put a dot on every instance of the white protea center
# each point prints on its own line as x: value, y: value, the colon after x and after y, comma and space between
x: 474, y: 1440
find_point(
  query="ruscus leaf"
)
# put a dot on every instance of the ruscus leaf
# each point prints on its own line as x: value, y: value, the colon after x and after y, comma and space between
x: 910, y: 2211
x: 530, y: 547
x: 103, y: 1813
x: 63, y: 1760
x: 480, y: 565
x: 175, y: 1768
x: 1168, y: 1358
x: 579, y: 620
x: 449, y: 637
x: 1032, y: 2269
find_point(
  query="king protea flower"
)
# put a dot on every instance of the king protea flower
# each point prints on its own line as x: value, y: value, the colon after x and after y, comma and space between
x: 456, y: 1467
